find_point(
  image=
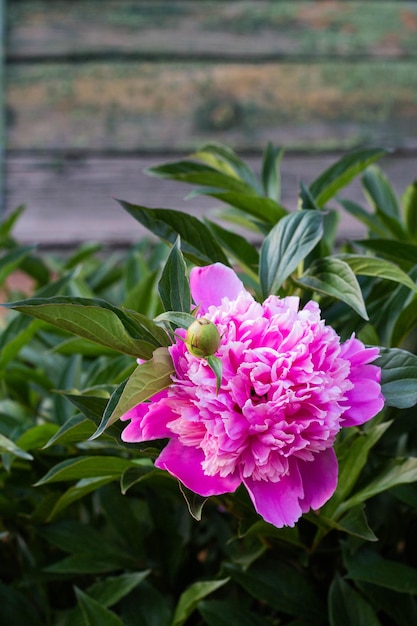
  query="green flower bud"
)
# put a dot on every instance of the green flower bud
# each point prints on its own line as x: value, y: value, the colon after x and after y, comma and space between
x: 202, y: 338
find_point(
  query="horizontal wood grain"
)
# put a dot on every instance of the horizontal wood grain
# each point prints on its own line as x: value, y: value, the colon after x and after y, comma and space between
x: 73, y: 200
x: 221, y: 29
x: 177, y: 106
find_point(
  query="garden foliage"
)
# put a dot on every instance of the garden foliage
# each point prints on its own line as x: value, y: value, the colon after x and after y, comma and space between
x: 91, y: 531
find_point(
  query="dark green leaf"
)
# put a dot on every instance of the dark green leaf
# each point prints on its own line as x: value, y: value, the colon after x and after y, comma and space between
x: 264, y: 209
x: 237, y: 246
x: 369, y: 266
x: 7, y: 445
x: 286, y: 246
x: 395, y: 472
x: 225, y: 160
x: 195, y: 503
x: 405, y: 323
x: 190, y: 598
x: 348, y: 608
x: 281, y: 587
x: 402, y: 253
x: 342, y: 173
x: 86, y: 467
x: 94, y: 613
x: 122, y: 330
x: 173, y: 287
x: 197, y: 241
x: 11, y: 260
x: 198, y: 174
x: 333, y: 277
x: 380, y: 192
x: 222, y: 613
x: 409, y: 201
x: 78, y: 491
x: 372, y: 222
x: 271, y: 179
x: 148, y: 379
x: 384, y: 573
x: 15, y: 609
x: 399, y: 375
x: 112, y: 589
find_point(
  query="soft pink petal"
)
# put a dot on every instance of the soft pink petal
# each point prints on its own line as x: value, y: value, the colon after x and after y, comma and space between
x: 184, y: 462
x: 319, y: 479
x: 278, y: 502
x: 148, y: 421
x: 210, y: 284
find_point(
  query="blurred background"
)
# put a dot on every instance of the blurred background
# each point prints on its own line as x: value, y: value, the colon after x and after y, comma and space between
x: 98, y: 90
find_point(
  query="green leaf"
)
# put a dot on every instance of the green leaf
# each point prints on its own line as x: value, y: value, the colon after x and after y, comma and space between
x: 282, y: 587
x: 405, y: 323
x: 237, y: 246
x: 380, y: 193
x: 78, y: 491
x: 122, y: 330
x: 215, y: 365
x: 173, y: 287
x: 223, y: 613
x: 372, y: 222
x: 7, y: 445
x: 399, y: 375
x: 15, y: 610
x: 342, y: 173
x: 388, y: 574
x: 11, y: 260
x: 198, y: 174
x: 224, y: 159
x: 409, y: 201
x: 195, y: 502
x: 333, y: 277
x: 395, y: 472
x: 86, y: 467
x: 94, y: 613
x: 348, y: 608
x: 378, y: 268
x: 36, y: 436
x: 197, y: 241
x: 270, y: 175
x: 136, y: 474
x: 400, y: 252
x: 111, y: 590
x: 353, y: 523
x: 263, y: 209
x: 148, y: 379
x: 190, y: 598
x: 286, y: 246
x: 352, y: 459
x: 182, y: 320
x: 400, y: 607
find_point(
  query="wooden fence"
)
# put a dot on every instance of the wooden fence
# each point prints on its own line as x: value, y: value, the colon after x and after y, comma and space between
x: 97, y: 90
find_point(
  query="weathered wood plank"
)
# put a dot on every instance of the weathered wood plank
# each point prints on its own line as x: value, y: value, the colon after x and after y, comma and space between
x: 225, y: 29
x: 142, y: 106
x: 72, y: 200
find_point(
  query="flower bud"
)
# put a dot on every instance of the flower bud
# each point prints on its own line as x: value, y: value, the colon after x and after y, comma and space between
x: 202, y: 338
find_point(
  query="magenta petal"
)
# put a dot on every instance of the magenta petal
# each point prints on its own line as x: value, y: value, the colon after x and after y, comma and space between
x: 148, y: 421
x: 278, y: 503
x: 210, y: 284
x: 184, y: 462
x: 319, y: 479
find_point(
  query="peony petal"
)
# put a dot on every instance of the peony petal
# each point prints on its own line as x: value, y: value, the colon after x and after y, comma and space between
x: 210, y: 284
x: 319, y: 479
x: 148, y: 421
x: 184, y: 462
x: 278, y: 503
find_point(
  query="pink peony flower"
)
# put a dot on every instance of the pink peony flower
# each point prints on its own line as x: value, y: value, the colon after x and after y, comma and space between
x: 288, y: 386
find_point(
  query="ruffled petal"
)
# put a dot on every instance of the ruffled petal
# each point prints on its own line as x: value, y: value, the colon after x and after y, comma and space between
x: 365, y: 399
x: 278, y: 502
x: 184, y: 462
x: 319, y: 479
x: 148, y: 421
x: 210, y: 284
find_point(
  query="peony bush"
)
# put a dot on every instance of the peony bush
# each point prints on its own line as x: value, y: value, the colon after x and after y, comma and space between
x: 219, y: 428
